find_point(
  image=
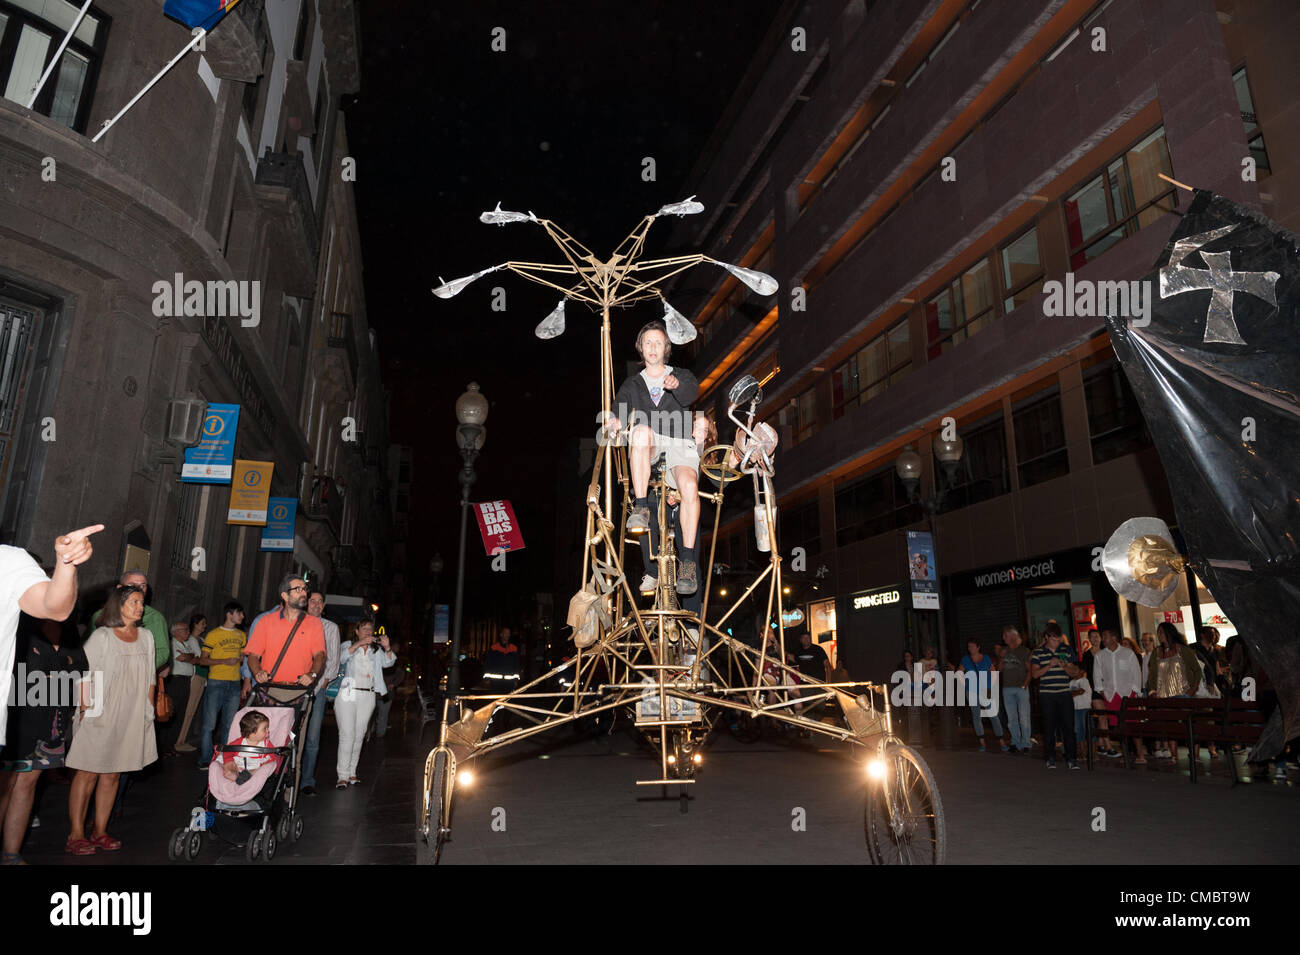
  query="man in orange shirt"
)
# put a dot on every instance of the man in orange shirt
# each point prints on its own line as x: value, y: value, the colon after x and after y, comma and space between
x: 305, y: 658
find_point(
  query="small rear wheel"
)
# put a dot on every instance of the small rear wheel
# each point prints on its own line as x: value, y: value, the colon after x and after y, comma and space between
x: 269, y: 843
x: 254, y: 847
x: 903, y: 820
x: 298, y: 826
x: 284, y: 829
x: 194, y: 845
x: 176, y: 844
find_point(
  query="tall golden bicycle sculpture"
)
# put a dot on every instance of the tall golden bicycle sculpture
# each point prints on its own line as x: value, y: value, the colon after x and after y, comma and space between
x: 672, y: 672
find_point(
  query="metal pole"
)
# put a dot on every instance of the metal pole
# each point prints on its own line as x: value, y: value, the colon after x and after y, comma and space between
x: 947, y: 729
x: 108, y: 123
x: 467, y: 477
x: 36, y: 90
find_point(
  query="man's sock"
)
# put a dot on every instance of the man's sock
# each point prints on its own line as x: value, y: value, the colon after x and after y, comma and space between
x: 688, y: 553
x: 641, y: 502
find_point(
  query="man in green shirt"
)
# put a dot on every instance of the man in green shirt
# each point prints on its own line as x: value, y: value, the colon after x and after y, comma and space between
x: 153, y: 621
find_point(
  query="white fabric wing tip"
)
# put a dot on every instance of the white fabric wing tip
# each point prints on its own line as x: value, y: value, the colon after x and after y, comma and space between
x: 680, y: 331
x: 687, y: 207
x: 499, y: 216
x: 760, y: 282
x: 552, y: 326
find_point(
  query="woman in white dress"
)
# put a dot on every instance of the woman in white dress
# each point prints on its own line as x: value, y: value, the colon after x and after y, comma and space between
x: 114, y: 732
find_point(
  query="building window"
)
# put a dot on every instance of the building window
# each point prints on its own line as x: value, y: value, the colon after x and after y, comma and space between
x: 1022, y: 270
x: 873, y: 505
x: 1118, y: 202
x: 1040, y: 437
x: 30, y: 34
x: 962, y: 309
x: 800, y: 416
x: 883, y: 361
x: 1254, y: 138
x: 187, y: 523
x: 1115, y: 422
x: 983, y: 472
x: 800, y: 526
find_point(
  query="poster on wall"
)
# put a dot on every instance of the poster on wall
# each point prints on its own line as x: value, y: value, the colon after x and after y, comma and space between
x: 922, y: 570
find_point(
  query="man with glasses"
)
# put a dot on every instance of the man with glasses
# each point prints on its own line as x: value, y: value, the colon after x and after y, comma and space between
x: 303, y: 661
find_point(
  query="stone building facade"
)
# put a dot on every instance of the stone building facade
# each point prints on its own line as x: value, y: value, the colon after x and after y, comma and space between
x: 230, y: 169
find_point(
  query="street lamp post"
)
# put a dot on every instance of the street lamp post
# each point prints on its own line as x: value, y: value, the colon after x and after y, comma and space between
x: 435, y: 570
x: 908, y: 468
x: 471, y: 412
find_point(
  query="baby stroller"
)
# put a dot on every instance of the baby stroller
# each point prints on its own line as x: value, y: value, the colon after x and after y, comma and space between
x: 266, y: 802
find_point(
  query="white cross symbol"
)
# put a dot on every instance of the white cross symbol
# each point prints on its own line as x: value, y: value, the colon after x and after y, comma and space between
x: 1176, y: 278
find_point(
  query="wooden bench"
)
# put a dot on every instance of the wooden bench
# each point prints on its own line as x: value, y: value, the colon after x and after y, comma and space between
x: 1169, y: 718
x: 1237, y: 723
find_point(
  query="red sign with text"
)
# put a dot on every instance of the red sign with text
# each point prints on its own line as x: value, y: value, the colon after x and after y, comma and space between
x: 497, y: 524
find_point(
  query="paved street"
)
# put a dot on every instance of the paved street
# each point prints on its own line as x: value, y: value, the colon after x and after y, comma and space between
x: 576, y: 801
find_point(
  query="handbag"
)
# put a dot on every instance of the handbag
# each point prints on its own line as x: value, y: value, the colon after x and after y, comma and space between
x: 163, y: 709
x: 592, y: 607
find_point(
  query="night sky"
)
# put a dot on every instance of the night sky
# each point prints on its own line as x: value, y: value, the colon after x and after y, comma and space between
x: 558, y: 124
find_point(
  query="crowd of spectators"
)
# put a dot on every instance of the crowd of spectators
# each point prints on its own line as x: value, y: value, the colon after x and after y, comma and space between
x: 101, y: 697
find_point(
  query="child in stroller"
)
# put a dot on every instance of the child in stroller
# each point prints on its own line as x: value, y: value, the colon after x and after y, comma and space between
x: 253, y: 778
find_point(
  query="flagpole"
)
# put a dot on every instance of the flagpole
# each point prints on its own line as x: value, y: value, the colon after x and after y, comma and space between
x: 108, y: 124
x: 58, y: 53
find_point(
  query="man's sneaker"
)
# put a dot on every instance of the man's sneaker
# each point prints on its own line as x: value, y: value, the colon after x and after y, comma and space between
x: 639, y: 521
x: 1073, y: 764
x: 1280, y: 772
x: 648, y: 585
x: 1051, y: 764
x: 686, y: 582
x: 185, y: 748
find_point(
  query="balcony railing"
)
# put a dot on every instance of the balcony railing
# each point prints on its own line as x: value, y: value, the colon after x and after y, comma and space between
x: 340, y: 336
x: 326, y: 502
x: 283, y: 189
x: 236, y: 48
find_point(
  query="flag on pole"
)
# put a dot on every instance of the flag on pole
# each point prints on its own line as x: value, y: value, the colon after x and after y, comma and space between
x: 198, y: 14
x: 1216, y: 371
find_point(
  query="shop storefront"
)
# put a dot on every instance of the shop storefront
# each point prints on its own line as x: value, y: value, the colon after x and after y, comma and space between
x: 873, y: 631
x: 1181, y: 610
x: 1029, y: 593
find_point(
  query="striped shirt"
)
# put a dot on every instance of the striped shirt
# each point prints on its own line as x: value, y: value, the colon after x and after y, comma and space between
x: 1055, y: 680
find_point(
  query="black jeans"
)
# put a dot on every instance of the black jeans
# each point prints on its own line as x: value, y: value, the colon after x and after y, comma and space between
x: 1058, y: 715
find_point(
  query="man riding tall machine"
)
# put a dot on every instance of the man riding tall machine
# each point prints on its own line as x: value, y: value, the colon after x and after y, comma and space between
x: 670, y: 669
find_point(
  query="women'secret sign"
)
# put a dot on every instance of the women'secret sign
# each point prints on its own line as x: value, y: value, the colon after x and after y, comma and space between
x: 497, y: 524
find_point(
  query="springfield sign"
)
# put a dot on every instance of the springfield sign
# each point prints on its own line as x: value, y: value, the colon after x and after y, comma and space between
x: 871, y: 599
x: 497, y: 525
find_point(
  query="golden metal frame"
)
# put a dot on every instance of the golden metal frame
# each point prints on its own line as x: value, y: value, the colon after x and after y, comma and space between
x: 651, y: 654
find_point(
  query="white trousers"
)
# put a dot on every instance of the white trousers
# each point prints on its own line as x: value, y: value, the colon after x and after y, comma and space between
x: 353, y: 716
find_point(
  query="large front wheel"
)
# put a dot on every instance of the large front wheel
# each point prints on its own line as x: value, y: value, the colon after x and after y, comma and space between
x: 435, y: 821
x: 904, y: 816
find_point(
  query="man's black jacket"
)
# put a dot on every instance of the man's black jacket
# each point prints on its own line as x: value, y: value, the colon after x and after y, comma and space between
x: 672, y: 419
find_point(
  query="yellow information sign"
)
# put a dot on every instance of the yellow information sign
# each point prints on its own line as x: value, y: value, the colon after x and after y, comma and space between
x: 250, y: 490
